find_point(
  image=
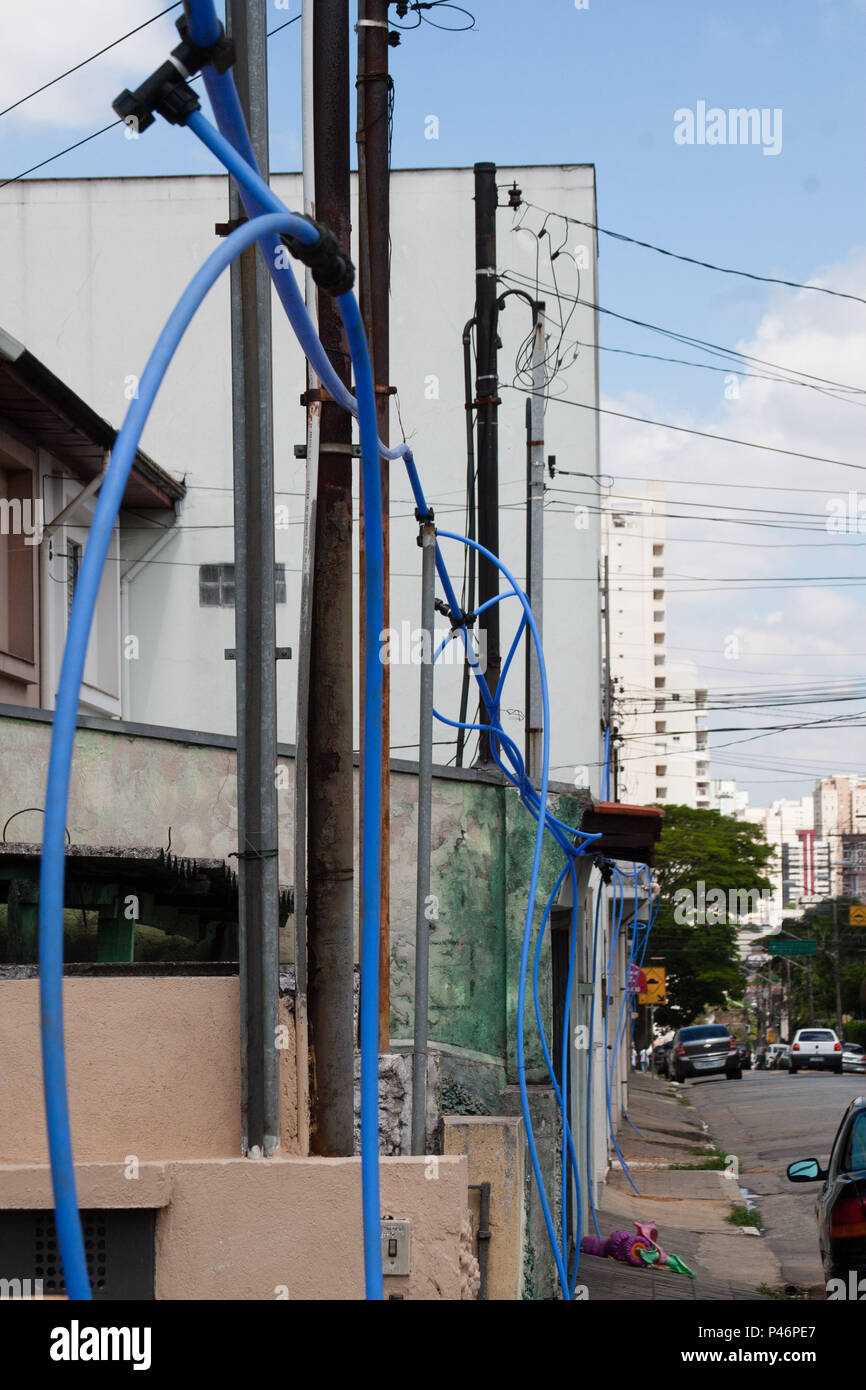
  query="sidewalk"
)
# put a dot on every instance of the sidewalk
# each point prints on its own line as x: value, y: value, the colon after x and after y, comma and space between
x: 689, y: 1207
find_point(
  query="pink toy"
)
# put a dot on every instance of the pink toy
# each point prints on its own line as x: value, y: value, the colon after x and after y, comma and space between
x: 642, y: 1249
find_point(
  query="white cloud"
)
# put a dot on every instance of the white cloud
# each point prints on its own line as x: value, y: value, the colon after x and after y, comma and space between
x: 67, y: 34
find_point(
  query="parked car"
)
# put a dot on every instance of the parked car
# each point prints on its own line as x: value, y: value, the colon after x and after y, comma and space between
x: 841, y: 1204
x: 853, y: 1057
x: 816, y: 1048
x: 745, y: 1056
x: 782, y: 1058
x: 660, y: 1057
x: 705, y: 1049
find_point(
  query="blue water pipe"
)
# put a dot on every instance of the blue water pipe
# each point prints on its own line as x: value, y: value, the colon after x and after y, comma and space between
x: 269, y: 219
x: 51, y: 879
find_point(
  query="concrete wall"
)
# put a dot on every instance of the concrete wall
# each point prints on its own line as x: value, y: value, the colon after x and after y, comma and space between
x: 235, y: 1229
x: 130, y: 789
x: 494, y: 1146
x: 153, y: 1068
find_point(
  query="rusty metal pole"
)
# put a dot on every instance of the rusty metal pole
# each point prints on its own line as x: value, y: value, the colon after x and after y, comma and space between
x: 487, y: 402
x: 373, y: 137
x: 535, y: 541
x: 330, y: 842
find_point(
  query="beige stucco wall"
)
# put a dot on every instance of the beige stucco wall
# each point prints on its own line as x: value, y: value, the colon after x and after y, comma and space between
x: 153, y: 1068
x: 494, y: 1148
x: 275, y: 1228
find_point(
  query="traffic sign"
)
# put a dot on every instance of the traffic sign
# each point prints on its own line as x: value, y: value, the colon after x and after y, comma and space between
x: 857, y: 916
x: 794, y: 948
x: 656, y: 986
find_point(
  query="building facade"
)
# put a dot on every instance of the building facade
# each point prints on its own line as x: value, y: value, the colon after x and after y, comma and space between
x: 658, y: 708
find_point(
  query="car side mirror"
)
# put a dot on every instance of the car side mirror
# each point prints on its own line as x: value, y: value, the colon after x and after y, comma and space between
x: 806, y: 1170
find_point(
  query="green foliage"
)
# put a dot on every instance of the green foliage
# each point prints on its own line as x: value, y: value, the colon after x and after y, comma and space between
x: 702, y: 961
x: 816, y: 924
x: 742, y: 1216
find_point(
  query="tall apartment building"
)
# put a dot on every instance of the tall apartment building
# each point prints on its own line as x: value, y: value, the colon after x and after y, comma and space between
x: 840, y: 818
x: 663, y: 751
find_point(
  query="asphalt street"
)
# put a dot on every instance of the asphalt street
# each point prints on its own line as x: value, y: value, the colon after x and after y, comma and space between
x: 765, y: 1121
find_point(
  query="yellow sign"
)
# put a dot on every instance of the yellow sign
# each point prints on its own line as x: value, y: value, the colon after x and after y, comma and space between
x: 857, y: 916
x: 771, y: 1036
x: 656, y: 992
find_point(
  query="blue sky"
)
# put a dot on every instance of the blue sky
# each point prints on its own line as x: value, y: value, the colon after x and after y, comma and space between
x: 545, y: 82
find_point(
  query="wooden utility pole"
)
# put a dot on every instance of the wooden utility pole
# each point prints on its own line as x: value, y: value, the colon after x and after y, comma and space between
x: 374, y: 175
x: 330, y: 831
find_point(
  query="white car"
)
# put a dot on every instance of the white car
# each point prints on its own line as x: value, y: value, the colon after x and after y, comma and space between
x: 816, y: 1047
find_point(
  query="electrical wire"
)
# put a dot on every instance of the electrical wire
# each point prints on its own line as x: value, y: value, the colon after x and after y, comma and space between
x: 692, y: 260
x: 83, y: 64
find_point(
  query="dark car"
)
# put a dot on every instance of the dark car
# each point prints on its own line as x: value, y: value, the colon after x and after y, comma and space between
x: 660, y: 1057
x: 705, y: 1049
x: 745, y: 1056
x: 841, y: 1205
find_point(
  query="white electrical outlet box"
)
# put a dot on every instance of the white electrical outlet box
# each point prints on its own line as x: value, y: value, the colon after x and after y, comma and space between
x: 395, y: 1247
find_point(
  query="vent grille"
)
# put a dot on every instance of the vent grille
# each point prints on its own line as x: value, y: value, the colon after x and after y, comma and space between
x: 46, y: 1256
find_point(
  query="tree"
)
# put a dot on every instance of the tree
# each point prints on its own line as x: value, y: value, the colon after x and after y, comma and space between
x: 816, y: 924
x: 710, y: 870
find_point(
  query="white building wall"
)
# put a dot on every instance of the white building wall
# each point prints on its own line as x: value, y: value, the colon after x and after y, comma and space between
x: 90, y: 272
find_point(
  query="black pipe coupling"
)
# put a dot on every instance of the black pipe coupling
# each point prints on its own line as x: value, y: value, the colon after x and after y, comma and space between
x: 166, y: 91
x: 332, y: 269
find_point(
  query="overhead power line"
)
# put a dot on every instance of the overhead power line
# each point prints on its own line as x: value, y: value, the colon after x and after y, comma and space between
x: 695, y: 260
x: 700, y: 434
x: 87, y: 138
x: 702, y: 344
x: 83, y: 64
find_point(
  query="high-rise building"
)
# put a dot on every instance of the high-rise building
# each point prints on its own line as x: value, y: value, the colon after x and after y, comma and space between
x: 662, y: 738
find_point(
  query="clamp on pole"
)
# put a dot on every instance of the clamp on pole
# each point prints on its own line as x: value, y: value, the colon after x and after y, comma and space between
x: 166, y: 91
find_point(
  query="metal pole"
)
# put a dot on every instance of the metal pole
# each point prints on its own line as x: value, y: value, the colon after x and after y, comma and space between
x: 535, y: 541
x: 837, y: 966
x: 608, y: 677
x: 330, y: 833
x: 374, y: 175
x: 487, y: 403
x: 811, y: 994
x: 255, y: 625
x: 471, y: 557
x: 425, y: 807
x: 312, y: 479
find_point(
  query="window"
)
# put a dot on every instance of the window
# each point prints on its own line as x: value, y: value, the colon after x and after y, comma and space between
x: 659, y: 617
x: 216, y: 585
x: 855, y: 1150
x: 658, y: 638
x: 662, y: 771
x: 659, y: 704
x: 661, y: 793
x: 658, y: 571
x: 659, y: 683
x: 658, y: 595
x: 661, y: 724
x: 658, y: 661
x: 658, y: 550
